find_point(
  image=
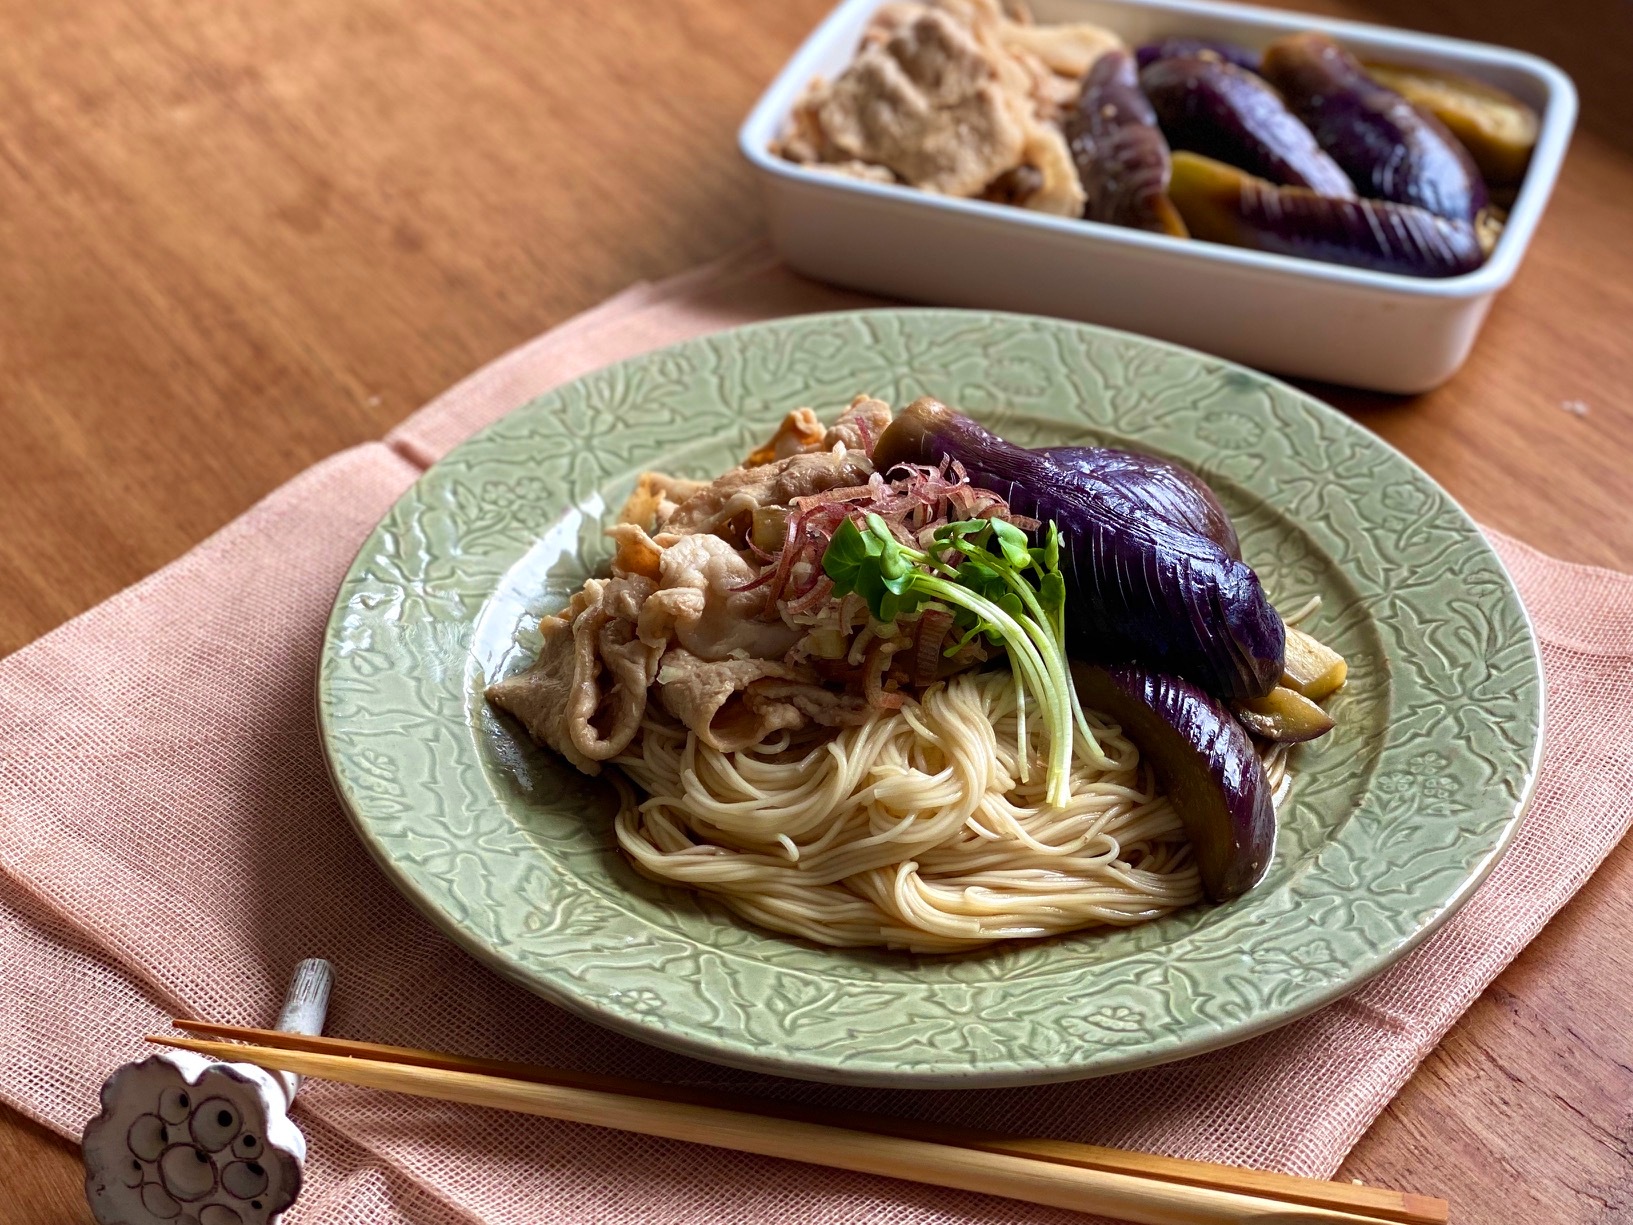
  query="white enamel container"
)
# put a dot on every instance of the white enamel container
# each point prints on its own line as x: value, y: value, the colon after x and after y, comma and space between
x: 1292, y: 316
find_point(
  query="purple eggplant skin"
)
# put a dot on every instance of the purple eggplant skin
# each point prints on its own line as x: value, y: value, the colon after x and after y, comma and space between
x: 1389, y: 148
x: 1223, y: 204
x: 1178, y: 48
x: 1138, y: 588
x: 1223, y: 112
x: 1120, y: 154
x: 1144, y: 483
x: 1206, y: 763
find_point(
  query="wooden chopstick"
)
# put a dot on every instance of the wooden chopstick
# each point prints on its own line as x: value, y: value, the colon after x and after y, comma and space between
x: 1381, y: 1203
x: 1385, y: 1205
x: 1134, y: 1185
x: 1142, y: 1200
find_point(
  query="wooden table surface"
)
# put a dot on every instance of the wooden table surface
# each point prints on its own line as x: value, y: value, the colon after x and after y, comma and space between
x: 237, y: 236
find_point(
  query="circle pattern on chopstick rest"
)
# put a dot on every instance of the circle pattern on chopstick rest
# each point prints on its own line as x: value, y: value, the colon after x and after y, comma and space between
x: 182, y: 1138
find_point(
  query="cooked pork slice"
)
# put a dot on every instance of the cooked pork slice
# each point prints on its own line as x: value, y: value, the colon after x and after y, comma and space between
x: 1059, y: 191
x: 711, y: 698
x: 928, y: 103
x: 821, y: 706
x: 733, y: 703
x: 726, y: 506
x: 540, y: 696
x: 586, y: 693
x: 800, y: 431
x: 637, y: 552
x: 1067, y: 50
x: 656, y: 498
x: 701, y: 605
x: 859, y: 426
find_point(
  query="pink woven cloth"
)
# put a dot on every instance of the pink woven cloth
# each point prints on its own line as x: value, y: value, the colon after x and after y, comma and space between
x: 169, y: 843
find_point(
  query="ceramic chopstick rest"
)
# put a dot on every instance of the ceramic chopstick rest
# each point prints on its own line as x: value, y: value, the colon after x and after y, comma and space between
x: 183, y: 1140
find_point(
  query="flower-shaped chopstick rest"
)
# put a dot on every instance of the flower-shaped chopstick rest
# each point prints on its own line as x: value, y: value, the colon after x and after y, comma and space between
x: 182, y: 1139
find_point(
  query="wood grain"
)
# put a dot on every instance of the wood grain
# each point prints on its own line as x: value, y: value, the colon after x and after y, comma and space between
x: 237, y: 236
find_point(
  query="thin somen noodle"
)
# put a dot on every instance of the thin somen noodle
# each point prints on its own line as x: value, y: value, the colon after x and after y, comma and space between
x: 912, y: 829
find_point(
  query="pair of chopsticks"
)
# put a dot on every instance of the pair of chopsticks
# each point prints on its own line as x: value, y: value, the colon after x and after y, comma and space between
x: 1139, y: 1187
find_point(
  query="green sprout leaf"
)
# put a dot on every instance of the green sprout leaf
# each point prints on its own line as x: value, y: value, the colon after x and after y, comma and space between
x: 978, y: 568
x: 1012, y: 544
x: 845, y: 555
x: 1052, y: 594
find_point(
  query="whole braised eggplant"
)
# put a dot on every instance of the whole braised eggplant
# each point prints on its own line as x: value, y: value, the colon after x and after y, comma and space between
x: 1178, y: 48
x: 1139, y: 589
x: 1206, y: 763
x: 1144, y: 484
x: 1225, y: 112
x: 1222, y: 204
x: 1120, y: 155
x: 1388, y: 147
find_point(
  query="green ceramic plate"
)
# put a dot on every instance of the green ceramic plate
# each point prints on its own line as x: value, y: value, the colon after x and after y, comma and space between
x: 1394, y: 820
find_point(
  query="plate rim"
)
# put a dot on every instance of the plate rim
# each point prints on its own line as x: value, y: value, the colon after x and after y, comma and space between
x: 1013, y: 1072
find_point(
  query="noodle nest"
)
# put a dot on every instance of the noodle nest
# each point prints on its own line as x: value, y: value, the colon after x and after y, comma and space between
x: 913, y: 830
